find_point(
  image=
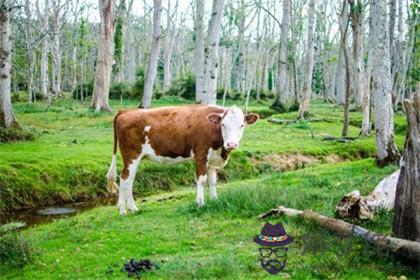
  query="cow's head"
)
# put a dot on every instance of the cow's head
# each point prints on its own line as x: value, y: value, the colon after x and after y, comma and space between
x: 232, y: 122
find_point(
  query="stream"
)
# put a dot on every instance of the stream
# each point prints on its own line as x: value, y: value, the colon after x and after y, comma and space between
x: 41, y: 215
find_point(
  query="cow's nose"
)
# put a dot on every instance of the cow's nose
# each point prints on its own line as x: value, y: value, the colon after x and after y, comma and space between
x: 231, y: 145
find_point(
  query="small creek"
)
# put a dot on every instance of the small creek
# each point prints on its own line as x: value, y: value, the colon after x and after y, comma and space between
x: 41, y: 215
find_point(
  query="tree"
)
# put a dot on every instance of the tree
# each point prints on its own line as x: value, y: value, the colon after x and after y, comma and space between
x: 309, y: 64
x: 44, y: 81
x: 211, y: 53
x: 169, y: 41
x: 199, y: 50
x: 7, y: 117
x: 154, y: 55
x: 406, y: 222
x: 104, y: 57
x: 281, y: 86
x: 340, y: 74
x: 386, y: 150
x: 343, y: 36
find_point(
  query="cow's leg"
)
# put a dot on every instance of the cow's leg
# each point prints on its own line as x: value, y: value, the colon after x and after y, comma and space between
x: 201, y: 178
x: 212, y: 176
x: 125, y: 198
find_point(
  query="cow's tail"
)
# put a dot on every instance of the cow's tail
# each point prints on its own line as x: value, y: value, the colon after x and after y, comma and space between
x: 111, y: 176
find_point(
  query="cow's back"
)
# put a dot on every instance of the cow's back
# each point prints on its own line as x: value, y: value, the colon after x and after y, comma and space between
x: 174, y: 131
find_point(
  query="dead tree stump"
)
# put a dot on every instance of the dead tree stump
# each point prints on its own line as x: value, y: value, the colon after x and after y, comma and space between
x: 406, y: 222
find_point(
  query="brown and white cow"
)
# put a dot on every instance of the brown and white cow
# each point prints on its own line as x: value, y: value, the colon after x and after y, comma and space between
x: 205, y: 134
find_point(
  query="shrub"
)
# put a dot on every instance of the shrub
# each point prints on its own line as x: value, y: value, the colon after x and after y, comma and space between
x: 119, y: 90
x: 86, y: 89
x: 8, y: 135
x: 15, y: 250
x: 184, y: 87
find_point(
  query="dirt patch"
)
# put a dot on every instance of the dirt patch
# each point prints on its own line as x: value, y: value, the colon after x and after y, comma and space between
x: 289, y: 162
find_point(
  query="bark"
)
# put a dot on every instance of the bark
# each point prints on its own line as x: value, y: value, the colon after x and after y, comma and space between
x: 381, y: 86
x: 154, y: 56
x: 240, y: 81
x: 199, y: 51
x: 211, y: 53
x: 356, y: 14
x: 281, y: 86
x: 56, y: 52
x: 44, y: 81
x: 309, y: 64
x: 343, y: 32
x: 352, y: 205
x: 30, y: 49
x: 406, y: 222
x: 168, y: 47
x: 130, y: 60
x: 394, y: 63
x: 407, y: 248
x: 7, y: 117
x: 104, y: 56
x: 119, y: 42
x: 340, y: 76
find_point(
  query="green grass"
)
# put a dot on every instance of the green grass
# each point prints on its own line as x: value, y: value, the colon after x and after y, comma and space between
x: 54, y: 169
x: 216, y: 241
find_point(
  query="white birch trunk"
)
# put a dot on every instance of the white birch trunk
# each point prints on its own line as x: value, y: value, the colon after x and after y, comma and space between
x: 199, y: 51
x: 44, y: 81
x: 281, y: 86
x: 340, y: 77
x: 130, y: 58
x: 309, y: 63
x: 7, y: 117
x: 100, y: 100
x: 358, y: 73
x: 56, y: 55
x: 386, y: 150
x: 154, y: 56
x: 211, y: 53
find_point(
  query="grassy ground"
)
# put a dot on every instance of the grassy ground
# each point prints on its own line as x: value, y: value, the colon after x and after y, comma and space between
x: 208, y: 243
x: 216, y: 241
x: 72, y: 151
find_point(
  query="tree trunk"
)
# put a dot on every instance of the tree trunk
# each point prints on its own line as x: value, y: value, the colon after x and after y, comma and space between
x: 199, y: 51
x: 281, y: 85
x: 343, y: 33
x: 7, y: 117
x: 211, y: 53
x: 407, y: 202
x: 44, y: 81
x: 381, y: 86
x: 340, y: 77
x: 104, y: 57
x: 309, y: 64
x: 168, y: 48
x: 154, y: 56
x: 56, y: 55
x: 130, y: 60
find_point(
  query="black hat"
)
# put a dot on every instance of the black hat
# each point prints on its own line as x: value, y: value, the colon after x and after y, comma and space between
x: 273, y: 236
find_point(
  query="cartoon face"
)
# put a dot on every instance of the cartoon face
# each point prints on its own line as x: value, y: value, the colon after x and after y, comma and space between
x: 273, y: 260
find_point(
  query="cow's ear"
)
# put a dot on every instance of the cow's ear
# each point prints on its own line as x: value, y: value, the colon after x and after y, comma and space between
x: 251, y: 118
x: 214, y: 118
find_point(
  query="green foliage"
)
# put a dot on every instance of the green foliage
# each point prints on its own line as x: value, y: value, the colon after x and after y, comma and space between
x: 183, y: 87
x: 85, y: 89
x: 118, y: 43
x: 270, y: 80
x: 15, y: 250
x: 8, y: 135
x: 120, y: 90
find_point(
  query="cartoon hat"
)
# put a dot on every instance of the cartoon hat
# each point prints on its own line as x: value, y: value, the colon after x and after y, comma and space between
x: 273, y: 236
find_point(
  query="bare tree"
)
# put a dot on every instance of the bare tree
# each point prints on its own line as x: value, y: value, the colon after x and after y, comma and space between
x: 30, y: 48
x: 129, y: 56
x: 170, y: 34
x: 407, y: 201
x: 44, y: 81
x: 104, y: 57
x: 309, y: 64
x: 281, y: 85
x: 340, y: 76
x: 7, y: 117
x: 211, y: 53
x: 154, y: 55
x: 386, y: 150
x: 199, y: 50
x: 343, y: 36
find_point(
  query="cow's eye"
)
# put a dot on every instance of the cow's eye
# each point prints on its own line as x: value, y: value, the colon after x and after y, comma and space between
x: 242, y: 126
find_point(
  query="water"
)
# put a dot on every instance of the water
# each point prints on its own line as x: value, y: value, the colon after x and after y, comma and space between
x: 41, y: 215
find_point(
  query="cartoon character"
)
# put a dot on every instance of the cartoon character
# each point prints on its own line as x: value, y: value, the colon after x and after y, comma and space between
x: 273, y: 253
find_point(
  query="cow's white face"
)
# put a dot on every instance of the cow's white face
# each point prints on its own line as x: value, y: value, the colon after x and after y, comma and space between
x: 232, y: 123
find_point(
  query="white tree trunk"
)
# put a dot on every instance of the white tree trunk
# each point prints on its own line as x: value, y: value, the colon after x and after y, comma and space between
x: 199, y: 51
x: 104, y: 57
x: 56, y: 55
x: 358, y: 68
x: 130, y: 58
x: 381, y: 85
x: 281, y: 86
x: 340, y: 76
x: 44, y: 81
x: 154, y: 55
x: 309, y: 63
x: 7, y: 117
x: 168, y: 47
x: 211, y: 53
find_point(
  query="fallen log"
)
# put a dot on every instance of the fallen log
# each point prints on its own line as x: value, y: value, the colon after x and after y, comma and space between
x: 353, y: 205
x: 406, y: 248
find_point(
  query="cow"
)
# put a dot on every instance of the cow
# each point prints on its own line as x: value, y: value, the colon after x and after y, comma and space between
x: 203, y: 133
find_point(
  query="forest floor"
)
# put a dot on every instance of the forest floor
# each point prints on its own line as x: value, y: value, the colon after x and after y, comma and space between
x: 72, y: 152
